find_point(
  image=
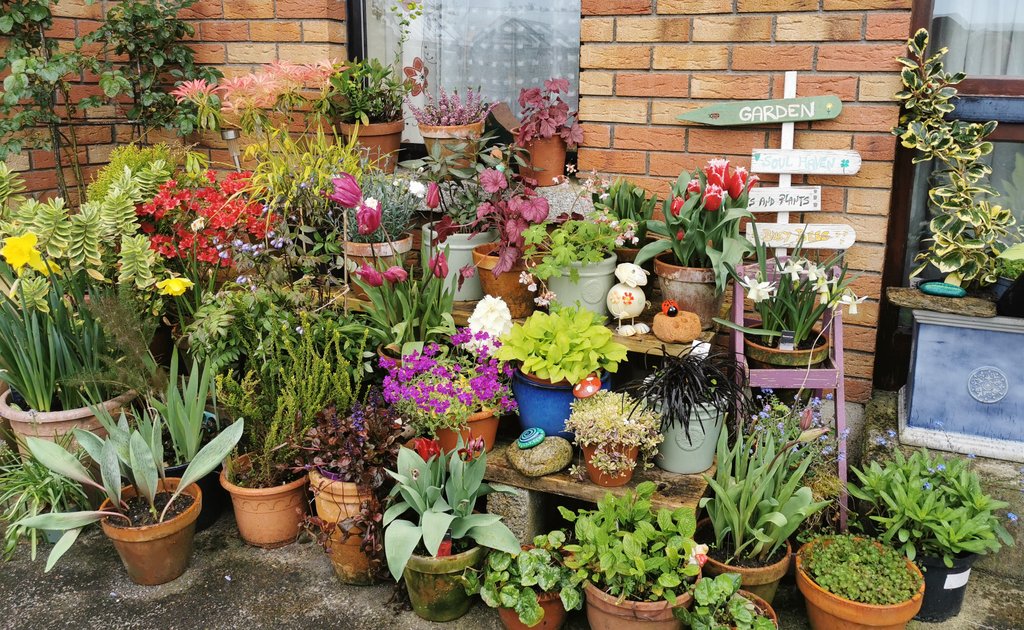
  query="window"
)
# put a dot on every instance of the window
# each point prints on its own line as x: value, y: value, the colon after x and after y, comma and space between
x: 498, y: 46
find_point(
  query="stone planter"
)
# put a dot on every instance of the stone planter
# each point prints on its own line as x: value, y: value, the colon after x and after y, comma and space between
x: 435, y: 584
x: 590, y: 290
x: 460, y: 254
x: 696, y: 453
x: 53, y: 425
x: 693, y: 288
x: 380, y: 141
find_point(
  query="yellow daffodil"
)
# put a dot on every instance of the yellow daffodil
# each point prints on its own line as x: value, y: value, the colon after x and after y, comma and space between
x: 19, y: 251
x: 174, y: 286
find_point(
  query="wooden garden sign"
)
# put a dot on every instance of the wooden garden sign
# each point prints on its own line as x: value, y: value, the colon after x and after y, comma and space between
x: 805, y: 162
x: 788, y: 199
x: 815, y: 236
x: 767, y: 112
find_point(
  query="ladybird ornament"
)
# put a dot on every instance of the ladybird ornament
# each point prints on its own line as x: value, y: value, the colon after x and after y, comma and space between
x: 587, y: 387
x: 626, y: 300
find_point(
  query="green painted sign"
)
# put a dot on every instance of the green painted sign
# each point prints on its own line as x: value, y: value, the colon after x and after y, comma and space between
x: 766, y: 112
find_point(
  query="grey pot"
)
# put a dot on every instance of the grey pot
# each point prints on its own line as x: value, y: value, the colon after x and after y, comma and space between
x: 460, y: 253
x: 694, y: 455
x: 591, y: 290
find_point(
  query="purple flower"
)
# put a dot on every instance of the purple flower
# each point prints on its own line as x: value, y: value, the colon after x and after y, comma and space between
x: 395, y: 274
x: 347, y: 193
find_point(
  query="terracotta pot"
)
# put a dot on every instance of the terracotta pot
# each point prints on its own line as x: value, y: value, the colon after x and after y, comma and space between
x: 460, y: 140
x: 546, y: 164
x: 826, y: 611
x: 335, y: 502
x: 761, y: 581
x: 52, y: 425
x: 359, y: 254
x: 506, y: 286
x: 602, y: 479
x: 766, y: 357
x: 554, y: 614
x: 435, y: 584
x: 482, y: 424
x: 380, y: 141
x: 693, y: 288
x: 156, y: 554
x: 762, y: 606
x: 267, y: 517
x: 606, y: 612
x: 5, y: 425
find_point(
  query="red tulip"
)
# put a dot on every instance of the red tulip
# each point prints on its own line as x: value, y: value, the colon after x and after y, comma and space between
x: 438, y: 265
x: 346, y: 193
x: 713, y: 197
x: 427, y: 447
x: 368, y: 216
x: 677, y: 205
x: 693, y: 187
x: 679, y: 235
x: 395, y: 274
x: 370, y: 276
x: 433, y: 195
x: 737, y: 182
x: 716, y: 172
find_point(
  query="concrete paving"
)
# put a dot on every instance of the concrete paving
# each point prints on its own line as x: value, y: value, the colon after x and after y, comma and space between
x: 231, y: 585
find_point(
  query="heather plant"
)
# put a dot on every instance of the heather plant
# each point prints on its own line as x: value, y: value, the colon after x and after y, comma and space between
x: 612, y: 423
x: 451, y: 109
x: 545, y: 114
x: 860, y: 569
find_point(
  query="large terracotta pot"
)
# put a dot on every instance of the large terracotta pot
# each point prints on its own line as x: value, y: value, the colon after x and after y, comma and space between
x: 482, y: 424
x: 435, y: 585
x: 359, y: 254
x: 693, y: 288
x: 761, y: 581
x: 335, y: 502
x: 506, y: 286
x: 380, y: 141
x: 606, y: 612
x: 156, y: 554
x: 267, y: 517
x: 462, y: 140
x: 602, y: 479
x: 765, y: 356
x: 554, y: 614
x: 53, y: 425
x: 546, y: 164
x: 826, y: 611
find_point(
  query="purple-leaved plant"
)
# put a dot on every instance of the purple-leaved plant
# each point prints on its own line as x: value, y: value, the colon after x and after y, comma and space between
x: 545, y: 114
x: 450, y: 110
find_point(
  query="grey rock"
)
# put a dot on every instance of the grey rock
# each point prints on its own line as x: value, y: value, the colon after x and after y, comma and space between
x: 550, y: 456
x: 969, y: 306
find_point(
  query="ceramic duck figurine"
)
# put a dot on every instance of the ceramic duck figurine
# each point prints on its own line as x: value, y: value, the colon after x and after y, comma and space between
x: 626, y: 300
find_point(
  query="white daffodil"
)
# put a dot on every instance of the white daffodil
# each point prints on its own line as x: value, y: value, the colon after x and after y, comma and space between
x: 824, y: 286
x: 816, y: 273
x: 758, y: 291
x: 793, y: 268
x: 491, y: 316
x: 851, y: 301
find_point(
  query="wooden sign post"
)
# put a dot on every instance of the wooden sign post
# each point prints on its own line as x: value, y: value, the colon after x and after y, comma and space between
x: 804, y: 162
x: 791, y: 199
x: 767, y: 112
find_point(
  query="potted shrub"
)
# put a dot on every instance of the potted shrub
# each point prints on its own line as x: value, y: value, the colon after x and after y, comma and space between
x: 531, y: 589
x: 151, y: 518
x: 622, y: 592
x: 347, y: 455
x: 626, y: 201
x: 757, y: 504
x: 547, y: 129
x: 700, y: 237
x: 451, y: 125
x: 446, y: 536
x: 857, y: 583
x: 574, y: 260
x: 554, y: 352
x: 367, y: 97
x: 693, y: 393
x: 615, y: 435
x: 953, y: 520
x: 719, y: 603
x: 280, y: 399
x: 452, y: 394
x: 791, y: 295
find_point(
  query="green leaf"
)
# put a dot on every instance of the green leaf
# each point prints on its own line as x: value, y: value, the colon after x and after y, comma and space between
x: 57, y: 459
x: 144, y: 471
x: 62, y: 547
x: 435, y: 526
x: 400, y: 539
x: 110, y: 473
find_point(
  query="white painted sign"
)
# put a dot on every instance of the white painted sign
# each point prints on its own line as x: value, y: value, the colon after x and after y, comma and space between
x: 784, y: 199
x: 816, y: 236
x: 802, y: 161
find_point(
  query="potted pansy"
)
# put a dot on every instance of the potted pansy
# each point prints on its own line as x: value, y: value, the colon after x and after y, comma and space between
x: 451, y: 125
x: 701, y: 237
x: 547, y: 129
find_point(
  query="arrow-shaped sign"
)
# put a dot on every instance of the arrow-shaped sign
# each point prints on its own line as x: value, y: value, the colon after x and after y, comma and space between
x: 766, y: 112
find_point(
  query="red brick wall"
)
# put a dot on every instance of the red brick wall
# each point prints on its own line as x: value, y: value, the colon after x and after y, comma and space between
x: 235, y: 35
x: 643, y: 62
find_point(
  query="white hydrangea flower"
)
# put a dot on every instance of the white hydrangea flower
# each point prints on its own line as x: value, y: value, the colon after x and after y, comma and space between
x: 491, y: 316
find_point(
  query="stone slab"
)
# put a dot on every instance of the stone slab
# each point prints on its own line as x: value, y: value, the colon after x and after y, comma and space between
x: 968, y: 306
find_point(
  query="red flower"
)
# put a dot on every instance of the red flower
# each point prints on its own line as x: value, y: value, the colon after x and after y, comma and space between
x: 677, y: 205
x: 716, y: 172
x: 370, y: 276
x: 693, y: 187
x: 433, y: 195
x: 427, y: 447
x: 713, y: 197
x: 737, y: 182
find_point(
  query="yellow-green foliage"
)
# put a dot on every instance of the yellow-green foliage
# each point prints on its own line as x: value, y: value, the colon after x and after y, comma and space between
x: 132, y: 157
x: 138, y: 262
x: 11, y: 187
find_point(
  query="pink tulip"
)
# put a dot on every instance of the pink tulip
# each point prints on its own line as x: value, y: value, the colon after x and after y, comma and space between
x: 395, y: 274
x: 347, y: 193
x: 370, y: 276
x: 433, y: 195
x: 713, y: 197
x: 438, y: 265
x: 368, y: 217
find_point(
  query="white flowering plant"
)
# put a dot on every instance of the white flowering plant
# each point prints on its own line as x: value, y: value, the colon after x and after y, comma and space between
x: 791, y: 293
x: 615, y: 424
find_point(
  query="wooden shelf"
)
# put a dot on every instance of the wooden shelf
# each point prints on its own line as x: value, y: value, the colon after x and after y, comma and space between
x: 674, y: 490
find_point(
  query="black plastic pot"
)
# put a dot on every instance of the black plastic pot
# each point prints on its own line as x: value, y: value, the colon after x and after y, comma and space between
x: 214, y: 495
x: 944, y: 587
x: 1011, y: 299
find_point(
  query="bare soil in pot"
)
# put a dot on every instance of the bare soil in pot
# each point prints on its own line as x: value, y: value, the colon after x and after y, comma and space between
x: 380, y: 141
x: 761, y: 579
x: 482, y: 424
x: 693, y: 288
x: 506, y: 285
x: 607, y: 612
x: 267, y: 517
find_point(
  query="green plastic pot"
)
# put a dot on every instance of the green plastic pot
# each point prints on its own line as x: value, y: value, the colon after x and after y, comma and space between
x: 591, y: 289
x: 689, y: 456
x: 435, y: 584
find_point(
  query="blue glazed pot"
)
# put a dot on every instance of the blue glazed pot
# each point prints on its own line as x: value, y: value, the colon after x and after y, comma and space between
x: 544, y: 405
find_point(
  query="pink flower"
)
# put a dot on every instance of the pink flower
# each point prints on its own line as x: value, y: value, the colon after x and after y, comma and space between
x: 713, y: 197
x: 195, y: 90
x: 693, y: 187
x: 492, y: 181
x: 368, y: 216
x: 716, y: 172
x: 737, y: 182
x: 557, y: 85
x: 395, y: 274
x: 438, y: 265
x: 370, y: 276
x: 433, y: 195
x: 347, y: 193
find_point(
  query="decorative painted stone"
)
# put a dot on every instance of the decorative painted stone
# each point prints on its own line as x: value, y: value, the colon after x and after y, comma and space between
x: 587, y: 387
x: 683, y: 328
x: 530, y: 438
x: 942, y: 289
x: 548, y: 457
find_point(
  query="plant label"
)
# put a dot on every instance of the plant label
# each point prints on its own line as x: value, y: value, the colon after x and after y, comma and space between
x: 815, y: 236
x: 786, y: 341
x: 805, y: 162
x: 785, y: 199
x: 956, y: 580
